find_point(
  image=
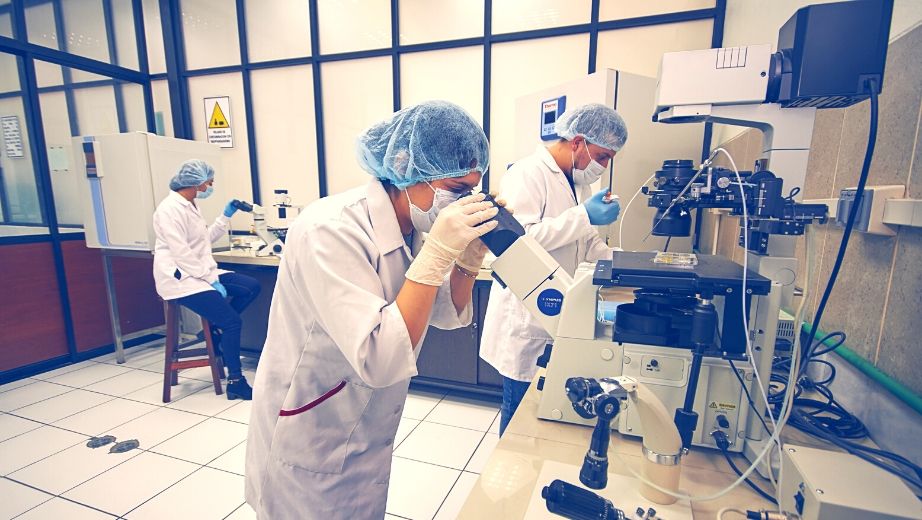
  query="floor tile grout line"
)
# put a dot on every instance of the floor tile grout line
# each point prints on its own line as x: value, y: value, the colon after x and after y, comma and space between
x: 67, y: 416
x: 18, y: 387
x: 162, y: 491
x: 50, y: 495
x: 53, y: 496
x: 468, y: 463
x: 445, y: 498
x: 430, y: 463
x: 235, y: 510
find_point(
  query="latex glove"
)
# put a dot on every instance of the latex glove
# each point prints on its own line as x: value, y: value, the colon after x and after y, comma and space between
x: 453, y: 230
x: 471, y: 258
x: 218, y: 286
x: 230, y: 209
x: 602, y: 213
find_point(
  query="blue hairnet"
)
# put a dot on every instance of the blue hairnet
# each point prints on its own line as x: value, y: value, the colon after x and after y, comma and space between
x: 426, y: 142
x: 193, y: 172
x: 597, y: 123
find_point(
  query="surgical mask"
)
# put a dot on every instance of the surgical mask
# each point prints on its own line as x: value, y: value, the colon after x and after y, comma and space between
x: 590, y: 173
x: 422, y: 220
x: 204, y: 194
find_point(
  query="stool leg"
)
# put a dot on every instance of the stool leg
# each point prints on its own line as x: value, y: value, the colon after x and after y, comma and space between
x: 172, y: 338
x: 212, y: 360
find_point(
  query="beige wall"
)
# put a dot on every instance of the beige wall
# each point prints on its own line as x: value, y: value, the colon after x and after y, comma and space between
x: 878, y: 295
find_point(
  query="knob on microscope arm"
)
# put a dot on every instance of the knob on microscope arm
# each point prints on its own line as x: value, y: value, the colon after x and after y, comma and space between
x: 662, y: 446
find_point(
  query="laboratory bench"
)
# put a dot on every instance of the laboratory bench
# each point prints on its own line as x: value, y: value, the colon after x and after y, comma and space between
x: 532, y: 446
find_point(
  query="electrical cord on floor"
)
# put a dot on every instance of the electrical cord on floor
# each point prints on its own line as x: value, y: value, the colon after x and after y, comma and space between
x: 720, y: 438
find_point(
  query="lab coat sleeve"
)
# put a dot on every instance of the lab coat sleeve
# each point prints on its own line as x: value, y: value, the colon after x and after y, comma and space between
x: 219, y: 228
x: 597, y: 249
x: 526, y: 194
x: 171, y: 229
x: 444, y: 314
x: 336, y: 272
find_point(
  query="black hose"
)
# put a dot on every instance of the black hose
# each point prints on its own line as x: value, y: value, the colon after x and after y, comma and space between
x: 859, y: 193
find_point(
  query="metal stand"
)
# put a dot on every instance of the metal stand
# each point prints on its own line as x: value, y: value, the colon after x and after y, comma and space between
x: 107, y: 255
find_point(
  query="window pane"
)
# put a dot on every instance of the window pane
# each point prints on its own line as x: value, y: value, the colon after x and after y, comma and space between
x: 40, y: 25
x: 163, y: 115
x: 520, y: 68
x: 278, y: 29
x: 286, y: 139
x: 455, y: 19
x: 422, y: 77
x: 354, y: 25
x: 153, y: 32
x: 621, y: 9
x: 9, y: 80
x: 82, y: 108
x: 640, y: 49
x: 6, y: 25
x: 210, y: 32
x: 525, y: 15
x: 48, y: 74
x: 85, y: 28
x: 20, y: 209
x: 356, y: 94
x: 235, y: 167
x: 126, y: 41
x: 133, y: 105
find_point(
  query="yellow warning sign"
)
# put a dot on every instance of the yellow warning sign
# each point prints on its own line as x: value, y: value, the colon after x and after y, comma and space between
x: 217, y: 118
x: 219, y: 125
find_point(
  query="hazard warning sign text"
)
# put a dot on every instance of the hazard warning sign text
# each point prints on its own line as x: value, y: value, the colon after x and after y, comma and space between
x: 218, y: 121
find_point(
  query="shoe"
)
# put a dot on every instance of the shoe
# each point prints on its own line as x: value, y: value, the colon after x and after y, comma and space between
x: 237, y: 388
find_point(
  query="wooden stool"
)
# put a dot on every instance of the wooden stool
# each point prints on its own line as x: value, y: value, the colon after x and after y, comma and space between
x: 177, y: 359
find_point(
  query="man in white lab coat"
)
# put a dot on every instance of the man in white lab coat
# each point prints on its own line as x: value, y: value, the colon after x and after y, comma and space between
x: 356, y: 292
x: 550, y: 194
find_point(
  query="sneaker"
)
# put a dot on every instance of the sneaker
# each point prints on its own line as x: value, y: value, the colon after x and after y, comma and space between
x: 237, y: 388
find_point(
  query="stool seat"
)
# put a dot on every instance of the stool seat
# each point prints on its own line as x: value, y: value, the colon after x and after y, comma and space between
x: 177, y: 358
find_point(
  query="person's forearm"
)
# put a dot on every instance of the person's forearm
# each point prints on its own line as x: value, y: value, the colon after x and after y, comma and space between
x: 415, y: 302
x: 462, y: 286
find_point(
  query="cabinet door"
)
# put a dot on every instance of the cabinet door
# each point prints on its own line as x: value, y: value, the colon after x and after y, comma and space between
x: 486, y: 374
x: 450, y: 355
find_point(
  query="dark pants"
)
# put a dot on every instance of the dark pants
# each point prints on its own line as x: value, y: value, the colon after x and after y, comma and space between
x: 513, y: 392
x: 224, y: 313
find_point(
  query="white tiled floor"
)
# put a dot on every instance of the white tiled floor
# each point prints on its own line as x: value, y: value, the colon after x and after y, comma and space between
x: 197, y: 443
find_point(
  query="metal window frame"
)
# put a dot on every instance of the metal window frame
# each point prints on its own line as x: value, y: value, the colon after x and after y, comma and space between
x: 179, y: 85
x: 27, y: 53
x: 177, y: 76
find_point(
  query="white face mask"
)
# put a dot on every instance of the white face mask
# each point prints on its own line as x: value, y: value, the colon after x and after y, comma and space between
x: 591, y: 173
x: 422, y: 220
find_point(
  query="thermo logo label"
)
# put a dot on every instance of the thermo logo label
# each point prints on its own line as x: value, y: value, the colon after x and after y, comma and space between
x: 550, y: 301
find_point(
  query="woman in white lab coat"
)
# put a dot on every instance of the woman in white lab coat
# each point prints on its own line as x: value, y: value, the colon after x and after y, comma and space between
x: 356, y: 292
x: 550, y: 193
x: 185, y: 271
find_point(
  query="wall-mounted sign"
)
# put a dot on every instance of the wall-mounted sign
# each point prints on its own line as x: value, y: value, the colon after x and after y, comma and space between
x: 218, y: 121
x: 12, y: 136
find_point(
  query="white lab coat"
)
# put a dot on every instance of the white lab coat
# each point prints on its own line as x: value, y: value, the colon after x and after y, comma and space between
x: 540, y: 195
x: 334, y: 372
x: 183, y: 245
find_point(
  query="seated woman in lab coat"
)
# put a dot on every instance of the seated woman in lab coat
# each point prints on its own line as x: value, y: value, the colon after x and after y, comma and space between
x: 185, y: 271
x: 550, y: 193
x: 357, y: 289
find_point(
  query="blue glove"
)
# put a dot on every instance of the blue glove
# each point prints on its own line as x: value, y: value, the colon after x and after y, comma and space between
x: 230, y: 209
x: 218, y: 286
x: 602, y: 213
